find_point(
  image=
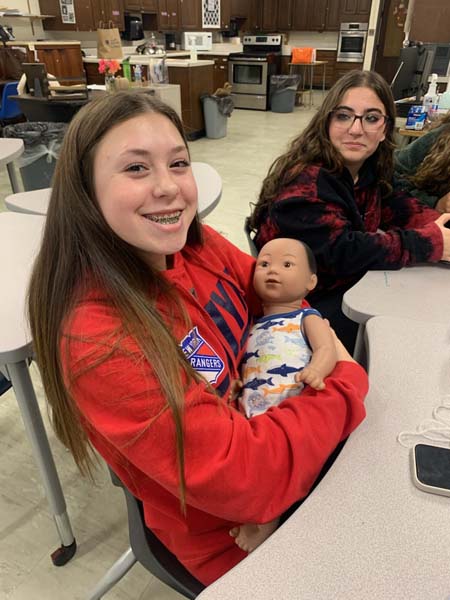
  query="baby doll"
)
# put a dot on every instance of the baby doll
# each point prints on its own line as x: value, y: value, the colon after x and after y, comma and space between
x: 288, y: 347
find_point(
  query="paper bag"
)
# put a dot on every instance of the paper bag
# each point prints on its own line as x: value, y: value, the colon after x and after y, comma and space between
x: 303, y: 55
x: 108, y: 42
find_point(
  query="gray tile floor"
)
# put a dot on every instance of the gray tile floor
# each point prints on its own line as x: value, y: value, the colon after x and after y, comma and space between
x: 97, y: 512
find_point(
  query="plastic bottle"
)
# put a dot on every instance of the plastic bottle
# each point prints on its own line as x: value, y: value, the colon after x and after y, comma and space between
x: 431, y: 98
x: 126, y: 68
x: 138, y: 74
x: 193, y: 48
x: 444, y: 99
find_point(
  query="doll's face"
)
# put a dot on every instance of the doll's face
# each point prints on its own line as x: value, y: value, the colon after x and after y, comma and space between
x: 282, y: 273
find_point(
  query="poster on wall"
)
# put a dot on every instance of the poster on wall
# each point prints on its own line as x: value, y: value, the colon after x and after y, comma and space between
x: 67, y: 11
x: 211, y: 14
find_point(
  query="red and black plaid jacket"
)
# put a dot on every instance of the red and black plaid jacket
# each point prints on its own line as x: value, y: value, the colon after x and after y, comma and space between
x: 350, y: 228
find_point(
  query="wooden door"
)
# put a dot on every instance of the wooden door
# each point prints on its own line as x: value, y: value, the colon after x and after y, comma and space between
x: 225, y: 14
x: 113, y: 11
x: 316, y: 15
x: 190, y: 17
x: 149, y: 6
x: 65, y: 61
x: 132, y: 5
x: 172, y: 10
x: 269, y: 15
x: 333, y: 18
x: 83, y: 16
x: 355, y: 10
x: 240, y: 8
x: 163, y: 15
x: 299, y: 15
x: 285, y: 9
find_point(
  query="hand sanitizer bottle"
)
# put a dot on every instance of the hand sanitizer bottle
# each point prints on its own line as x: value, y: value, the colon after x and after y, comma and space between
x: 430, y: 99
x: 193, y: 48
x: 444, y: 99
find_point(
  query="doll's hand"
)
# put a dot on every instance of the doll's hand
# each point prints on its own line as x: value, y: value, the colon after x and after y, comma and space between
x: 443, y: 204
x: 310, y: 377
x: 235, y: 390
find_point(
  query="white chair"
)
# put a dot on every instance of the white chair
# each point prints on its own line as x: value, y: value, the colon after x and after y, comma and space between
x: 10, y: 149
x: 209, y: 185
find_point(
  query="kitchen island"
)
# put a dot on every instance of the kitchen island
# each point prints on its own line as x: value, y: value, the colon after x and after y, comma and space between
x: 195, y: 78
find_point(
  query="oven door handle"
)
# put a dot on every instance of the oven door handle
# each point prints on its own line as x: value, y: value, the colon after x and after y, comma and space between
x: 247, y: 60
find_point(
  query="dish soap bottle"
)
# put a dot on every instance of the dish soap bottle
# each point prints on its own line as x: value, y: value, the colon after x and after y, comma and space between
x: 430, y: 100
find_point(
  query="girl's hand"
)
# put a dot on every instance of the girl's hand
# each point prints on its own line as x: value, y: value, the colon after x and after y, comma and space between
x: 443, y: 204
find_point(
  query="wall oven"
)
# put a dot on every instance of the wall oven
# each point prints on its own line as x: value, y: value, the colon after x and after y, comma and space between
x: 352, y: 42
x: 249, y: 71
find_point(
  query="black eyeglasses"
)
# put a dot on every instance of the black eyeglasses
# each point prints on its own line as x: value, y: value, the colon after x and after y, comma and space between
x: 370, y: 121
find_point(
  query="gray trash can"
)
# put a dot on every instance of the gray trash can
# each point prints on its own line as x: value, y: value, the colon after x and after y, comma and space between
x: 42, y: 143
x: 282, y: 92
x: 216, y: 110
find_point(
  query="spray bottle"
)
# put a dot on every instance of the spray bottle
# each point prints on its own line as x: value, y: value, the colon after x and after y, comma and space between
x: 138, y: 75
x: 444, y: 99
x: 430, y: 100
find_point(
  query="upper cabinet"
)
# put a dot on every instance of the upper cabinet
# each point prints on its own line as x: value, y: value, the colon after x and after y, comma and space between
x: 240, y: 9
x: 225, y: 14
x: 84, y: 19
x: 145, y: 6
x: 190, y: 15
x: 269, y: 16
x: 355, y: 10
x: 309, y: 15
x: 168, y: 15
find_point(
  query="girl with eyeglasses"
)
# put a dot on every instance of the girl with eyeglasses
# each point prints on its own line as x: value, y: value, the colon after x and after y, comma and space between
x: 332, y: 190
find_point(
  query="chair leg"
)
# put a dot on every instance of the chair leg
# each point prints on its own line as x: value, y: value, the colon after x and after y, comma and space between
x: 113, y: 575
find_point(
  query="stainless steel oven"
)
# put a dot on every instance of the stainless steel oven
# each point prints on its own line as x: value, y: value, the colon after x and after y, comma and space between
x: 249, y: 71
x: 352, y: 42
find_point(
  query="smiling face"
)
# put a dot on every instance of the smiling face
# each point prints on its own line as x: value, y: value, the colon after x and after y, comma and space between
x: 354, y: 144
x: 145, y: 187
x: 282, y: 275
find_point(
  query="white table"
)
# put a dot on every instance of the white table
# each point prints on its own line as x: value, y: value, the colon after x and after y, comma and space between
x: 418, y: 292
x: 366, y: 531
x: 20, y: 237
x: 10, y: 149
x: 209, y: 185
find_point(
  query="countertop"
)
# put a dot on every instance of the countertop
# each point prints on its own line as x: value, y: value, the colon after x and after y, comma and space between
x: 145, y: 59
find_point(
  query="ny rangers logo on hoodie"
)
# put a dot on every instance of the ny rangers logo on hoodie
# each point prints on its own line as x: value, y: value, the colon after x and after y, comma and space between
x: 201, y: 356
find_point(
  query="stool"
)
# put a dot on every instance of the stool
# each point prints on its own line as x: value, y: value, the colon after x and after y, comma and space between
x: 10, y: 149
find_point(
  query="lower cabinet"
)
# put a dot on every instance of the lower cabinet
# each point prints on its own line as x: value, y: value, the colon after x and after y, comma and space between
x: 321, y: 55
x: 343, y: 68
x: 61, y: 60
x: 194, y: 82
x: 220, y: 69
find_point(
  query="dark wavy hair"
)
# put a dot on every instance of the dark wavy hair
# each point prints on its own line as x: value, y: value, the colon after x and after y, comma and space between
x: 313, y: 145
x: 433, y: 174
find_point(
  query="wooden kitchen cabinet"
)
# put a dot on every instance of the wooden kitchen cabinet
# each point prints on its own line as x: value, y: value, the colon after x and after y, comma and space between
x: 269, y: 15
x: 240, y: 9
x: 168, y: 15
x: 299, y: 15
x: 194, y: 82
x: 355, y: 10
x: 327, y: 55
x: 341, y: 69
x: 190, y: 15
x: 108, y: 10
x: 225, y: 14
x: 284, y: 14
x: 61, y: 60
x: 145, y: 6
x: 83, y: 15
x: 220, y: 69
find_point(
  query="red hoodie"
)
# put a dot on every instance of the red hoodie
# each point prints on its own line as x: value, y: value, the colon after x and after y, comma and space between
x: 237, y: 470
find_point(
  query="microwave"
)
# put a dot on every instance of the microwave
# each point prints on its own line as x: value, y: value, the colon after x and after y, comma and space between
x: 197, y: 40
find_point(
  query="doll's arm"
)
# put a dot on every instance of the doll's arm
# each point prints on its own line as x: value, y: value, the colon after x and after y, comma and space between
x: 324, y: 356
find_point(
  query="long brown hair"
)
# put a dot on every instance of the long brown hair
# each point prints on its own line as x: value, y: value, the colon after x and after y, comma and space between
x: 433, y: 173
x: 313, y: 145
x: 78, y: 247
